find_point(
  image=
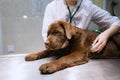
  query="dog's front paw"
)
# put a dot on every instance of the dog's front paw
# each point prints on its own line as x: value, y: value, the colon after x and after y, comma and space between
x: 31, y: 57
x: 48, y: 68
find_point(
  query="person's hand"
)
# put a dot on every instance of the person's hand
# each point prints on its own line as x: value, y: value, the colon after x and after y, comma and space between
x: 100, y: 42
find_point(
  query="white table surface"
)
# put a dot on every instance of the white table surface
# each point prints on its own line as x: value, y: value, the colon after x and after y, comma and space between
x: 14, y: 67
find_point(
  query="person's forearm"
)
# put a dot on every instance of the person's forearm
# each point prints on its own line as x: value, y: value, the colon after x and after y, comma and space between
x: 112, y: 30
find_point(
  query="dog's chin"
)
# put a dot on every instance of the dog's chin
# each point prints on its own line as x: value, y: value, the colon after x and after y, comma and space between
x: 57, y: 47
x: 48, y: 48
x: 51, y: 48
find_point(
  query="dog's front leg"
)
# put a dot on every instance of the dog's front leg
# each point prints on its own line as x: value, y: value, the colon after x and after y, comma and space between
x: 39, y: 55
x: 70, y: 60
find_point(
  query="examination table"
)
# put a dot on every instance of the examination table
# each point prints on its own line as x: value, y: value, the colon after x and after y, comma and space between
x: 14, y: 67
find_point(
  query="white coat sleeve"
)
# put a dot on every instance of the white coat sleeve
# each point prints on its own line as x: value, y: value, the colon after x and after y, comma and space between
x: 103, y: 18
x: 48, y: 19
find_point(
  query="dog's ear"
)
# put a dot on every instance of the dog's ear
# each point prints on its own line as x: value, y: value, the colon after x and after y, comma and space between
x: 70, y: 30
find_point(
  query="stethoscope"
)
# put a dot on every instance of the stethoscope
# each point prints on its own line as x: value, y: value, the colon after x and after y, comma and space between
x: 71, y: 14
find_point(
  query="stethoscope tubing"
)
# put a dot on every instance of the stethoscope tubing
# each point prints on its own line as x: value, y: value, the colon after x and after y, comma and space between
x: 71, y: 16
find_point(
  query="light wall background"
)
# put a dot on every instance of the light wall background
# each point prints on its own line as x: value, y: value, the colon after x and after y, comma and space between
x: 98, y: 2
x: 0, y: 36
x: 21, y: 35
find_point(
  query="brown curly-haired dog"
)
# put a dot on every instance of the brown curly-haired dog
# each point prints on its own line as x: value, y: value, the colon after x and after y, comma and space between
x: 72, y: 46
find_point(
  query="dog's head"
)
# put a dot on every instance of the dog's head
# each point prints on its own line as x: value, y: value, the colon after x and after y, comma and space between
x: 58, y: 35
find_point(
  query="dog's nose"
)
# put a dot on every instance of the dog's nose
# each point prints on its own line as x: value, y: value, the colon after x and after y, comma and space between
x: 47, y: 43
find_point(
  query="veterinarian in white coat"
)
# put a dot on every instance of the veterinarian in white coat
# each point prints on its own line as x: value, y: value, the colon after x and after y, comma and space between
x: 87, y: 12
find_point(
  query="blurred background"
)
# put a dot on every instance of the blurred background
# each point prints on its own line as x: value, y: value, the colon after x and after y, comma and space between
x: 21, y: 24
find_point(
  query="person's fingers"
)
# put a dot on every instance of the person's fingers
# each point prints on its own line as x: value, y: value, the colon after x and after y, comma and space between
x: 96, y: 46
x: 95, y: 41
x: 101, y: 46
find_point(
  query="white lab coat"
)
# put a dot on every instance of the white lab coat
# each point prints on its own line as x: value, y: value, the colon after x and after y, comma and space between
x: 57, y: 10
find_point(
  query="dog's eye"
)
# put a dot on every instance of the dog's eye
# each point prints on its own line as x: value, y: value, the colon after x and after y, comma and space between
x: 56, y: 32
